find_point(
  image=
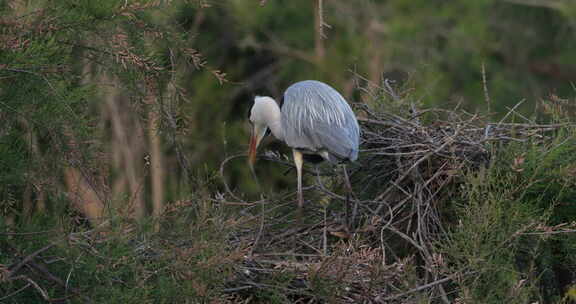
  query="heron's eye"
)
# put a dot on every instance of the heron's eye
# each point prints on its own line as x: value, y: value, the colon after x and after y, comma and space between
x: 248, y: 114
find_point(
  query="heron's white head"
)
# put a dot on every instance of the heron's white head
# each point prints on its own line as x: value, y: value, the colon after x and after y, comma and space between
x: 264, y: 112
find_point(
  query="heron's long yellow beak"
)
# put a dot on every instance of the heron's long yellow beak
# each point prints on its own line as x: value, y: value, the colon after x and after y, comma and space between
x: 257, y: 135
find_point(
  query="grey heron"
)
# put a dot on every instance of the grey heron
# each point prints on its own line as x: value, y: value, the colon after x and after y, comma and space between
x: 315, y: 121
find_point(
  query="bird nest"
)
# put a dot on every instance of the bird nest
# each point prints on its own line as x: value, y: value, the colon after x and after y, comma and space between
x: 409, y: 166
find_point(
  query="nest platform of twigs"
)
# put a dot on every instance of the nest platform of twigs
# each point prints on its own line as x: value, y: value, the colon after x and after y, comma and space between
x: 408, y: 167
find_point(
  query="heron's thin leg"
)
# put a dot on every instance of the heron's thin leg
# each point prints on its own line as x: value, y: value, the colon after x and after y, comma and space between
x: 325, y: 200
x: 347, y: 180
x: 298, y: 161
x: 348, y: 195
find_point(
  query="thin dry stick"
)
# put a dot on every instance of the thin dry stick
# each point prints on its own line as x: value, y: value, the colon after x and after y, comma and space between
x: 485, y: 87
x: 261, y: 229
x: 17, y: 291
x: 321, y: 23
x: 406, y: 237
x: 40, y: 290
x: 334, y: 195
x: 30, y: 257
x: 325, y: 233
x: 223, y: 177
x: 510, y: 112
x: 320, y: 36
x: 423, y: 158
x: 426, y: 286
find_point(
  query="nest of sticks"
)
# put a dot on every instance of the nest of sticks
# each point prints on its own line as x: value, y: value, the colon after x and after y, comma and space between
x: 409, y: 165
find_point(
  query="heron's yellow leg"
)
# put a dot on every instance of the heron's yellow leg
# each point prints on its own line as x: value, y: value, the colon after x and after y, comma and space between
x: 299, y: 161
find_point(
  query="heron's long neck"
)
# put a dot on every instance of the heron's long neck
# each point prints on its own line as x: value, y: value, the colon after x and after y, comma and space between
x: 275, y: 122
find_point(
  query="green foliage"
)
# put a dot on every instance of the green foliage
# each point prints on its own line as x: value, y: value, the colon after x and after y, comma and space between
x: 506, y: 236
x: 186, y: 261
x: 12, y: 164
x: 551, y: 170
x: 485, y: 241
x: 51, y: 90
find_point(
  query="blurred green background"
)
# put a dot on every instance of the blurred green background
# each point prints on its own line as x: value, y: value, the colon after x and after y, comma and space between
x: 138, y: 98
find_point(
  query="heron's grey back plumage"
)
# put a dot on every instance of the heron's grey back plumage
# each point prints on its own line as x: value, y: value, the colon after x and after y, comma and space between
x: 316, y: 118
